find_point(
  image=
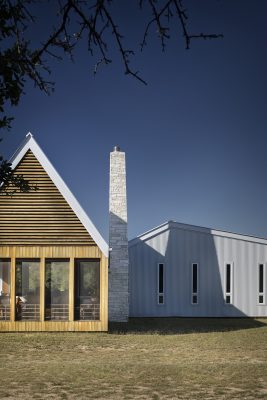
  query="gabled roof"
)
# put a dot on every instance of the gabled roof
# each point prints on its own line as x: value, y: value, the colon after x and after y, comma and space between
x: 177, y: 225
x: 31, y: 144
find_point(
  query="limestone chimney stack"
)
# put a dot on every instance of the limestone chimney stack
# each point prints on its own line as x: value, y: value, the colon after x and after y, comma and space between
x: 118, y: 239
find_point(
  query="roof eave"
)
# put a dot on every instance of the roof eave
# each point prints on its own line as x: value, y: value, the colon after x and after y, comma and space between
x: 178, y: 225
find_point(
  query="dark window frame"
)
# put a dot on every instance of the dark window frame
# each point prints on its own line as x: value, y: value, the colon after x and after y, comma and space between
x: 22, y: 307
x: 228, y: 283
x: 194, y: 283
x: 161, y: 284
x: 5, y: 298
x: 96, y: 312
x: 50, y: 311
x: 261, y: 284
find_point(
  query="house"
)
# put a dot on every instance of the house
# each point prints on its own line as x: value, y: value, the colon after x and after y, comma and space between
x: 189, y: 271
x: 53, y: 261
x: 58, y: 274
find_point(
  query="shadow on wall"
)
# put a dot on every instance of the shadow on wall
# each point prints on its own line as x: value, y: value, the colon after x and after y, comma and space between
x: 118, y: 237
x: 118, y: 269
x: 177, y: 249
x: 174, y: 326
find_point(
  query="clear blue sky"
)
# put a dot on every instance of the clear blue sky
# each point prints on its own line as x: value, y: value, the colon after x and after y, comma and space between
x: 195, y: 137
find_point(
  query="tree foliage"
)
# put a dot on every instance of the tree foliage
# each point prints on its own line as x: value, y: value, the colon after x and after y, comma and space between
x: 90, y: 20
x: 11, y: 182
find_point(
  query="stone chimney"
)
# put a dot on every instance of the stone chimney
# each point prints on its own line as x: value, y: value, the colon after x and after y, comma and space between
x: 118, y: 239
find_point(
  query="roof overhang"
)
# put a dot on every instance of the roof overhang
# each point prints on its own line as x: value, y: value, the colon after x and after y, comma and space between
x: 186, y: 227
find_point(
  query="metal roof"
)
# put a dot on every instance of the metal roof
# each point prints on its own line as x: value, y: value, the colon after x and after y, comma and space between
x: 178, y: 225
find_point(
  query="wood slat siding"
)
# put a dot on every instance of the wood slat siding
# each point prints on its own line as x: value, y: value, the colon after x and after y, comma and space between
x: 41, y: 217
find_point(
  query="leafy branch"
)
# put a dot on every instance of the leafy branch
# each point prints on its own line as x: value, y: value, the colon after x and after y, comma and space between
x: 12, y: 183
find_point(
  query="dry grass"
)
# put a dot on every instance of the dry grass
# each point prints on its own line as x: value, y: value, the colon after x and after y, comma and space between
x: 148, y: 359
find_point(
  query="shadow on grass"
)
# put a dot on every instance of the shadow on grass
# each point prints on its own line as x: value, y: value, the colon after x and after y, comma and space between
x: 173, y: 326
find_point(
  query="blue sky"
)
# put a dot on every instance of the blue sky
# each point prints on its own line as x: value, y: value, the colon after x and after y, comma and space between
x: 194, y: 137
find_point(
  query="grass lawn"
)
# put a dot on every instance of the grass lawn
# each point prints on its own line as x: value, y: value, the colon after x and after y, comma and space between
x: 173, y: 358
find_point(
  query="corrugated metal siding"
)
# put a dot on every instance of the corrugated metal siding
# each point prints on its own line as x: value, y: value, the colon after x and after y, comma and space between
x: 39, y: 217
x: 178, y: 249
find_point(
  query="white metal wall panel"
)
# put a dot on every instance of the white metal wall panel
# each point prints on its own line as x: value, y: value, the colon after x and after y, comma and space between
x: 178, y: 248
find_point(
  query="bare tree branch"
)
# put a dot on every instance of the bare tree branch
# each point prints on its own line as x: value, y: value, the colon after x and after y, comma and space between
x: 20, y: 62
x: 181, y: 14
x: 124, y: 53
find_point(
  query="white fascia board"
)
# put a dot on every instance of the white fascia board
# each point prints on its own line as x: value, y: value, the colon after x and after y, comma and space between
x: 149, y: 234
x: 216, y: 232
x: 31, y: 144
x: 209, y: 231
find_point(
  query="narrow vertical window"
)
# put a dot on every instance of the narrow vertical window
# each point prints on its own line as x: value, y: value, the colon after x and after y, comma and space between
x: 194, y: 283
x: 160, y: 283
x: 228, y: 283
x: 261, y: 284
x: 27, y: 290
x: 4, y: 290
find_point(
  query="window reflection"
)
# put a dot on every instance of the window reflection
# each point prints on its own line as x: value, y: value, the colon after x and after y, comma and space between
x: 57, y: 290
x: 87, y: 290
x: 4, y: 290
x: 27, y: 290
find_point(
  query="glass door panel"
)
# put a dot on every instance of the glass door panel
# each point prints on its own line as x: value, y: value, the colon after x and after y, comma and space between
x: 4, y: 290
x: 27, y: 290
x: 87, y: 290
x: 57, y: 290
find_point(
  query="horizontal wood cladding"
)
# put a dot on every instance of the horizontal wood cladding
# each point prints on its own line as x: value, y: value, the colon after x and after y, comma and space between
x: 41, y: 216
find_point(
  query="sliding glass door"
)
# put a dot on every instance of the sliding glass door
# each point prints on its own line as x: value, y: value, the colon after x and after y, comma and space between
x: 55, y: 286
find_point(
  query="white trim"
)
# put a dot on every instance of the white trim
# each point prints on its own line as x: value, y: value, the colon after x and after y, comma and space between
x: 161, y: 294
x: 209, y: 231
x: 31, y: 144
x: 192, y: 284
x: 231, y: 282
x: 258, y: 284
x: 149, y: 234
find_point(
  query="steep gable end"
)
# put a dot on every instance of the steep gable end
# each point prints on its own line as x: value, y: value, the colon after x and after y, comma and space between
x: 41, y: 216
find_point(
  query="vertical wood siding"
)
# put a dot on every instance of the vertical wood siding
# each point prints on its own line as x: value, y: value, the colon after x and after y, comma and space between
x: 40, y: 216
